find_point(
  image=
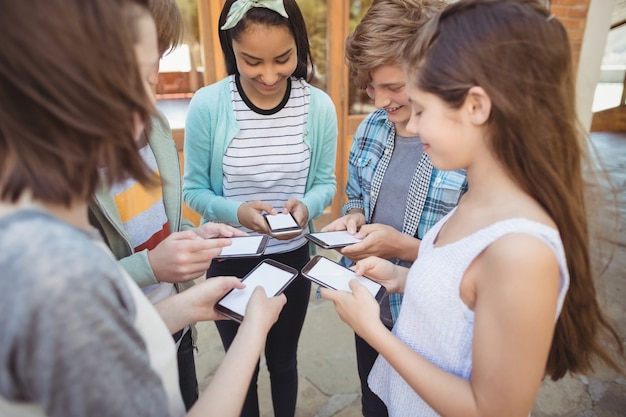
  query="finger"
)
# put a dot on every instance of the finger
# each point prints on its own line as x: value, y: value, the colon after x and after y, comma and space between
x: 356, y: 286
x: 361, y: 267
x: 280, y: 299
x: 354, y: 249
x: 352, y: 226
x: 363, y: 232
x: 329, y: 294
x: 226, y: 283
x: 236, y: 232
x: 212, y: 243
x: 184, y: 235
x: 264, y: 206
x: 290, y: 205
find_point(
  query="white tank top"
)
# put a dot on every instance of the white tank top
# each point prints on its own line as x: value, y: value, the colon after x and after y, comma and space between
x: 434, y: 321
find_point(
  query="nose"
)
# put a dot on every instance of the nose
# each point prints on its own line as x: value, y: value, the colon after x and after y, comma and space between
x: 381, y: 99
x: 412, y: 125
x: 269, y: 75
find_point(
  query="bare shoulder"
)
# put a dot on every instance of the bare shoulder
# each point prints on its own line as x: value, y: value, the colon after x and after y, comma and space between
x: 519, y: 260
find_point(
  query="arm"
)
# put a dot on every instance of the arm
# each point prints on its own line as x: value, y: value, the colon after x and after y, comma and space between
x: 364, y: 155
x: 196, y: 304
x: 201, y: 149
x: 514, y: 302
x: 225, y: 394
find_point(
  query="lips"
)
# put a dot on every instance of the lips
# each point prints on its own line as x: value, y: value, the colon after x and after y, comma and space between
x: 392, y: 109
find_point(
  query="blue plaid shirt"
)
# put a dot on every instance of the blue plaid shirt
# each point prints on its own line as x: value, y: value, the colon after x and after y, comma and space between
x: 432, y: 192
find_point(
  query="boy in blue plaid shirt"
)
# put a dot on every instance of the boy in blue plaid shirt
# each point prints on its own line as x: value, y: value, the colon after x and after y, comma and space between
x: 394, y: 193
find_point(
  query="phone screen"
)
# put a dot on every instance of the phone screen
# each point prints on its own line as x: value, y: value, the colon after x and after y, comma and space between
x: 244, y: 246
x: 332, y: 275
x: 331, y: 240
x: 282, y: 223
x: 271, y: 275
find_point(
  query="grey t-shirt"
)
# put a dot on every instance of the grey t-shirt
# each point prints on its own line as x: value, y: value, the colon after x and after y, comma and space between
x: 72, y: 333
x: 391, y: 202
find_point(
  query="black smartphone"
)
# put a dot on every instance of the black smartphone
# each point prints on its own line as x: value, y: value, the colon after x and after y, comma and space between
x: 244, y: 247
x: 273, y: 276
x: 330, y: 274
x: 332, y: 240
x: 282, y: 224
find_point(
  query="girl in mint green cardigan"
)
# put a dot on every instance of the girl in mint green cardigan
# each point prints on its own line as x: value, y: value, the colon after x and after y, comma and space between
x: 263, y: 140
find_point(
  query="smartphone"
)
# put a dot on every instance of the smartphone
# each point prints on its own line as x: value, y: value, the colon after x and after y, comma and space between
x: 329, y: 274
x: 273, y: 276
x: 282, y: 224
x: 332, y: 240
x: 244, y: 247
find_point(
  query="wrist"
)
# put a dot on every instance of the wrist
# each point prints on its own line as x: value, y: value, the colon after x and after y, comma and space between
x: 356, y: 211
x: 252, y: 333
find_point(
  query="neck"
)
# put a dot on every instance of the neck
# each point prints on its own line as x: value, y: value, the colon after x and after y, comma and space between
x: 490, y: 183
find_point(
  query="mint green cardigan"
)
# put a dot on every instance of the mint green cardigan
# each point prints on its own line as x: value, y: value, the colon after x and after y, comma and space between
x: 211, y: 126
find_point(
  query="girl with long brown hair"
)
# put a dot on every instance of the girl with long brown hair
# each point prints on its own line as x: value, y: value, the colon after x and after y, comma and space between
x: 502, y: 292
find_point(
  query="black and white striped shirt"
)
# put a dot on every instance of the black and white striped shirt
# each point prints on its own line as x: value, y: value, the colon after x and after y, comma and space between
x: 268, y: 159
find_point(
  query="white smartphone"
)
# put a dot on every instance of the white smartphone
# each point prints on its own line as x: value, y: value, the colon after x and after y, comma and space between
x: 332, y: 240
x: 273, y: 276
x: 282, y: 224
x: 244, y: 247
x: 330, y: 274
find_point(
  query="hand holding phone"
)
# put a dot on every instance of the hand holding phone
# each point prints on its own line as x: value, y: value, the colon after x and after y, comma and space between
x: 282, y: 224
x: 332, y: 240
x: 273, y: 276
x: 329, y: 274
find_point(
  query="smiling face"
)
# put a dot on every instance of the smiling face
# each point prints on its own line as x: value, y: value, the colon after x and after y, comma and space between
x: 266, y: 57
x: 388, y: 90
x: 445, y: 132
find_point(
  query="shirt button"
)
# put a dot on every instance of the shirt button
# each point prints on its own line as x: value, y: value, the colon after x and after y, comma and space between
x: 387, y: 151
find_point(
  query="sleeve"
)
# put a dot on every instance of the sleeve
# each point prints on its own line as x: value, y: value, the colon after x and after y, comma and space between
x: 198, y: 192
x: 354, y: 185
x: 138, y: 267
x: 137, y: 264
x: 324, y: 184
x: 80, y: 354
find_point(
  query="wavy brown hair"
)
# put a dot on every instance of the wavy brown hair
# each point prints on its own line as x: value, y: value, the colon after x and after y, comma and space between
x: 520, y: 55
x: 383, y: 34
x: 71, y: 93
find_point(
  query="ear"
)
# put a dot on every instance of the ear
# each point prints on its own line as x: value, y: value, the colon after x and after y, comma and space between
x: 478, y: 105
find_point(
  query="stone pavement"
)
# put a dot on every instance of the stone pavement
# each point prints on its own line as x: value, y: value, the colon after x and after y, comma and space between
x: 329, y: 384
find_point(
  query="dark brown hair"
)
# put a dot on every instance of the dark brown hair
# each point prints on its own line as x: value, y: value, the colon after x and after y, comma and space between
x: 261, y: 15
x: 382, y: 35
x: 520, y: 55
x: 72, y: 94
x: 169, y: 24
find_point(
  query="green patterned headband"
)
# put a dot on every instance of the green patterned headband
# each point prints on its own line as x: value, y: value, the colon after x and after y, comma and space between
x: 239, y: 8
